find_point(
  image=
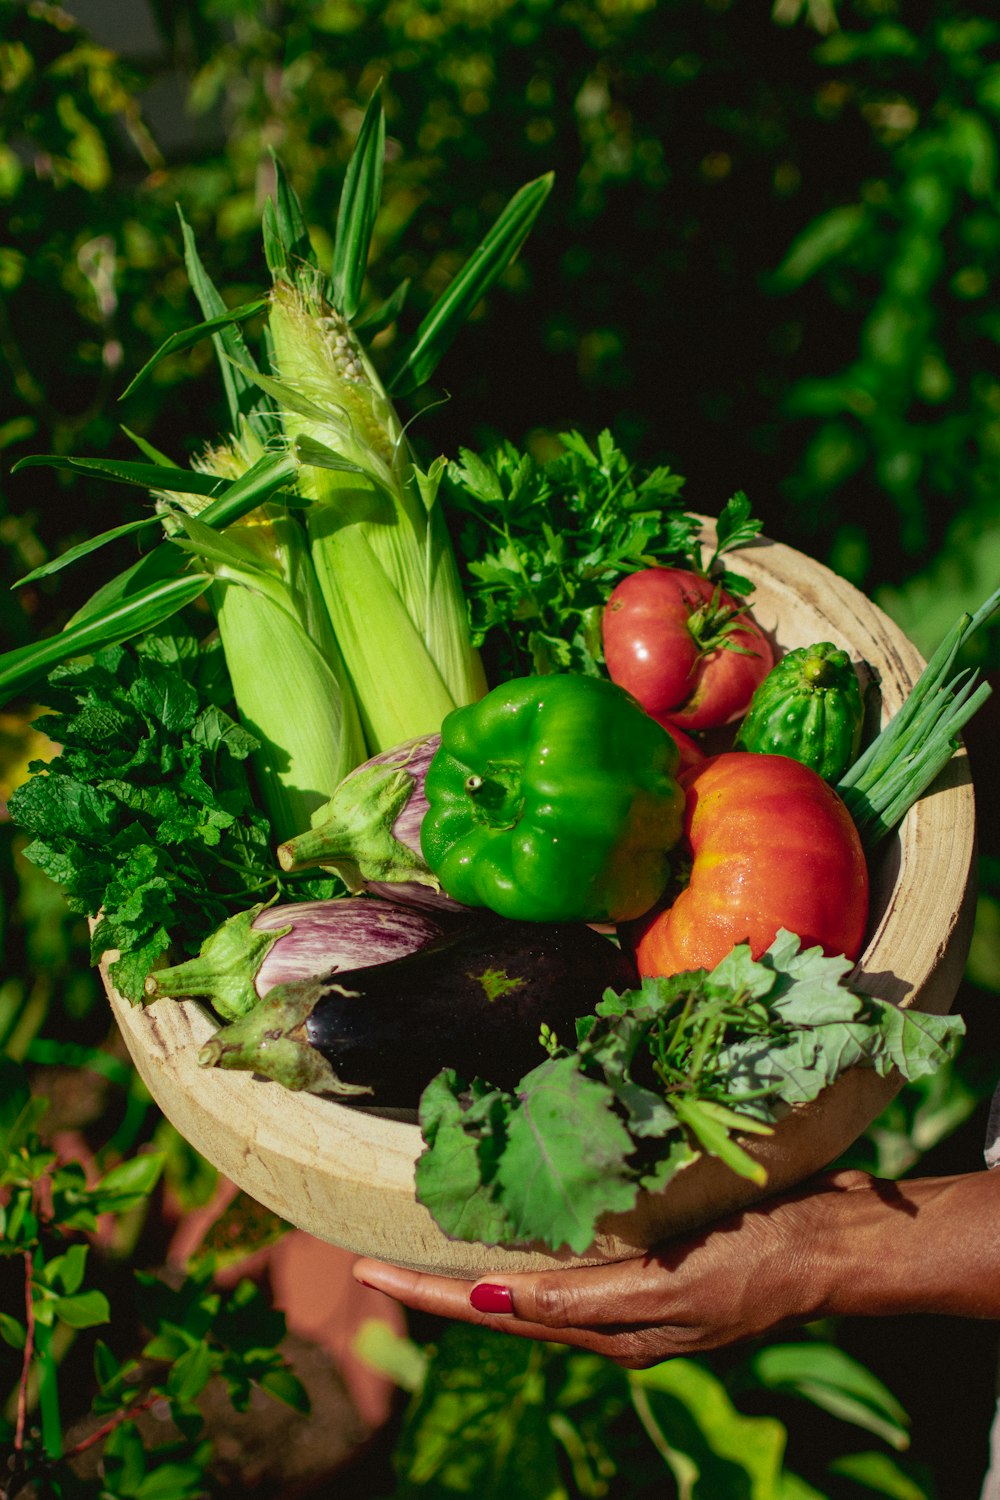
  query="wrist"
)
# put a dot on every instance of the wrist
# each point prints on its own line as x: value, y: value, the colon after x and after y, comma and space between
x: 922, y: 1245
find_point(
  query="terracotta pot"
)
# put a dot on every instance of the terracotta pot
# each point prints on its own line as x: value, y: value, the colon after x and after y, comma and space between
x: 346, y: 1175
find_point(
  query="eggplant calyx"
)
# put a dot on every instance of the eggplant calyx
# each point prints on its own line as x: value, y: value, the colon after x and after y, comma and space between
x: 355, y: 836
x: 223, y: 972
x: 270, y: 1041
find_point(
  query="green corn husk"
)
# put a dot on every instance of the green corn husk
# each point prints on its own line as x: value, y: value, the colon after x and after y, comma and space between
x: 381, y: 552
x: 287, y: 674
x: 291, y: 700
x: 289, y: 680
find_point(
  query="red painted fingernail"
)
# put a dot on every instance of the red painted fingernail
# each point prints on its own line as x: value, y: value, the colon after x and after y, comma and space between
x: 489, y: 1298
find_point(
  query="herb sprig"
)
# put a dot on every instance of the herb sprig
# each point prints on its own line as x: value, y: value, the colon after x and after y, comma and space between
x: 681, y: 1067
x: 147, y: 814
x: 545, y: 543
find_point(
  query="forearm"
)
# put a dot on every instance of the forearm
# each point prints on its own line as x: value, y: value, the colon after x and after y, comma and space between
x: 928, y: 1245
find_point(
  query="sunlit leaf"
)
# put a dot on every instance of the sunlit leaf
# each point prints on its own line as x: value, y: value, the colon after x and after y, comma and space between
x: 483, y: 268
x: 285, y: 1387
x: 715, y: 1449
x: 480, y: 1425
x: 359, y: 203
x: 825, y: 239
x: 13, y: 1333
x: 190, y: 1373
x: 186, y: 339
x: 147, y: 476
x: 73, y: 554
x: 884, y: 1475
x: 830, y: 1378
x: 84, y: 1310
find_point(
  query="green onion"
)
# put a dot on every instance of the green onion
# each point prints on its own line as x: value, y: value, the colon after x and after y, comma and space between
x: 917, y: 743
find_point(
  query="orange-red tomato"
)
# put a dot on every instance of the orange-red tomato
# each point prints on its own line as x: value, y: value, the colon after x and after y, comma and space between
x: 772, y: 846
x: 688, y: 652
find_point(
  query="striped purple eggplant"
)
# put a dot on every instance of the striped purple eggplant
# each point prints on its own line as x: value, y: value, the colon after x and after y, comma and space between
x: 269, y: 945
x: 369, y: 831
x: 474, y: 1001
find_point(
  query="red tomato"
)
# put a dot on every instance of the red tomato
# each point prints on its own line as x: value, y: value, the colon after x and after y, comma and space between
x: 687, y: 651
x: 691, y: 752
x: 772, y: 846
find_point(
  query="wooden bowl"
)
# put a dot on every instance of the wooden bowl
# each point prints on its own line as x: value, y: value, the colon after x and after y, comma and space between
x: 346, y: 1175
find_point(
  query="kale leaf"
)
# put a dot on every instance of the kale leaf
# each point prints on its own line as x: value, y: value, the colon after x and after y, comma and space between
x: 681, y: 1067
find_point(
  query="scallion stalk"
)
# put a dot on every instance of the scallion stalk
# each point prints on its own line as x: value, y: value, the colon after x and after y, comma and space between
x: 919, y: 740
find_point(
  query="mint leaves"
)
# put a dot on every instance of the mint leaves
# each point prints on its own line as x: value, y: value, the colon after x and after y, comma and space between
x: 146, y: 815
x: 659, y: 1075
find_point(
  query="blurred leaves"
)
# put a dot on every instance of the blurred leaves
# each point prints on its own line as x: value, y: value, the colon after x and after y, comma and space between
x: 884, y: 1475
x: 831, y: 1379
x: 51, y: 1212
x: 487, y: 1409
x: 493, y: 1410
x: 830, y: 355
x: 906, y: 422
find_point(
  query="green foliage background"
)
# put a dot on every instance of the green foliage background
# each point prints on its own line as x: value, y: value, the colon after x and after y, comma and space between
x: 768, y: 256
x: 769, y: 260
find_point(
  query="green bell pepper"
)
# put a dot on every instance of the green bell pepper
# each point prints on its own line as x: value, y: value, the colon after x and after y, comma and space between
x: 553, y: 799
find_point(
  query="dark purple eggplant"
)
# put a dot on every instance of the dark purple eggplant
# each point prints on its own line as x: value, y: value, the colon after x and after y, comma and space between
x: 268, y: 945
x: 369, y: 831
x: 474, y: 1001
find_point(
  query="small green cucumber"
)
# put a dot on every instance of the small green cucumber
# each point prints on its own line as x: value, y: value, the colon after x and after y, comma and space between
x: 808, y: 707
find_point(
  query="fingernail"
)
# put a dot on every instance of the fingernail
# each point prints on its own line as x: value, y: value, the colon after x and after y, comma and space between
x: 489, y: 1298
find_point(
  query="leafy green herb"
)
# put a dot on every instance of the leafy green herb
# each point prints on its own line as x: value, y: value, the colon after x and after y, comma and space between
x: 658, y: 1076
x: 545, y: 543
x: 147, y: 814
x: 735, y: 527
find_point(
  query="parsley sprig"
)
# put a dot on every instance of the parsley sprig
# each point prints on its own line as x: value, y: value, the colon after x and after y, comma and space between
x: 544, y: 544
x: 681, y: 1067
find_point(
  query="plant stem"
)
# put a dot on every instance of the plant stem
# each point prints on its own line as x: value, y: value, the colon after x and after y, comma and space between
x: 29, y: 1349
x: 681, y: 1465
x: 126, y: 1414
x: 48, y: 1393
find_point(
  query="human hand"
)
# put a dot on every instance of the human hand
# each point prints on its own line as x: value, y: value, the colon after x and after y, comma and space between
x: 761, y: 1269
